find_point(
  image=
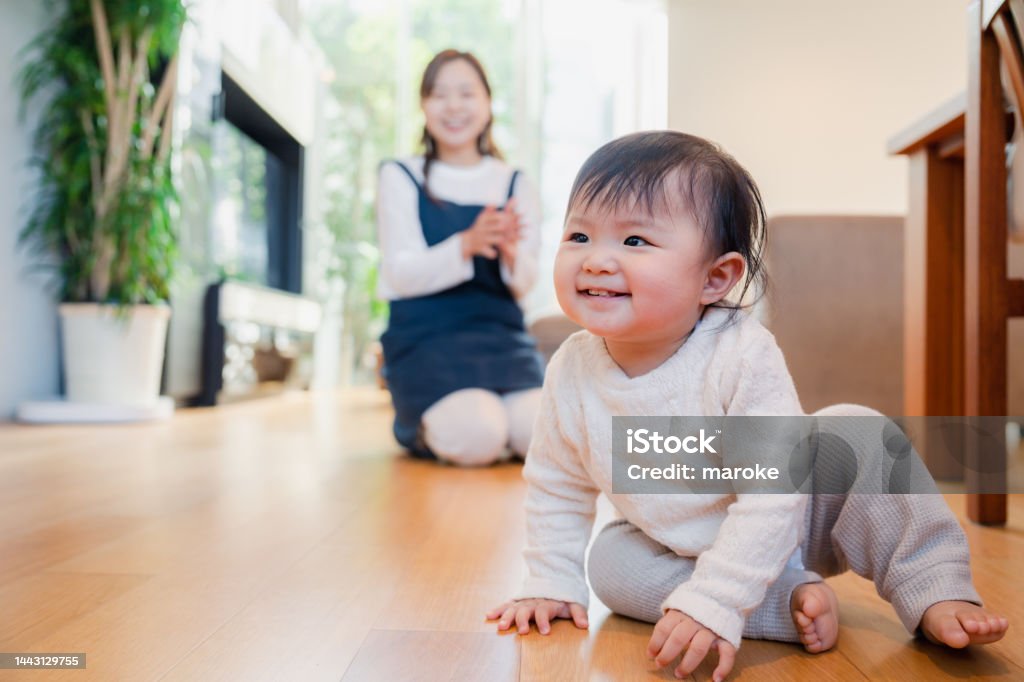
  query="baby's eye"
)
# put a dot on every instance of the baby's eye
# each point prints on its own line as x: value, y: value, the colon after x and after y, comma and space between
x: 578, y: 237
x: 635, y: 241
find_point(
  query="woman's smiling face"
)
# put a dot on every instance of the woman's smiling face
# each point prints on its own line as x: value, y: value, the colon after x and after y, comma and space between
x: 458, y: 108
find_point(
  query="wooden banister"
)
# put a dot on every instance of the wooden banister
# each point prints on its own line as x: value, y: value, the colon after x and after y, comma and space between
x: 989, y: 10
x: 986, y: 287
x: 1010, y: 49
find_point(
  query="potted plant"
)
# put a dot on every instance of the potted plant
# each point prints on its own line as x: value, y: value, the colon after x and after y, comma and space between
x: 103, y: 214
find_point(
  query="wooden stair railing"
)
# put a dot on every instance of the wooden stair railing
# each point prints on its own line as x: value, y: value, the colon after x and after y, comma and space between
x: 990, y: 297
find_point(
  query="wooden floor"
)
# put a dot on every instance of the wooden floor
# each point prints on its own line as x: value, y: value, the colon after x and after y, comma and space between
x: 287, y: 539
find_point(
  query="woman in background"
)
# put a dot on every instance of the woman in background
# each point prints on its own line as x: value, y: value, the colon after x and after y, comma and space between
x: 459, y: 239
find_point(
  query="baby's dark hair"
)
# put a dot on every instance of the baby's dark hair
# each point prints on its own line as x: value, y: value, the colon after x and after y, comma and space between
x: 634, y: 172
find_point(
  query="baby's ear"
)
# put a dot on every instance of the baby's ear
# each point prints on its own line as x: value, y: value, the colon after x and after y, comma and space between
x: 724, y: 274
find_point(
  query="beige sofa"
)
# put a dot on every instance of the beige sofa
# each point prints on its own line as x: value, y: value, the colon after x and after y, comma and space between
x: 835, y: 305
x: 836, y: 309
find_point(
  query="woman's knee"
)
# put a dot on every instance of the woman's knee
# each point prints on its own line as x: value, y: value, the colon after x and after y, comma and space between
x: 467, y: 428
x: 521, y: 408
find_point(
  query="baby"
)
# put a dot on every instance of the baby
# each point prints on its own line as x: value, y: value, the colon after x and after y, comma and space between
x: 660, y: 228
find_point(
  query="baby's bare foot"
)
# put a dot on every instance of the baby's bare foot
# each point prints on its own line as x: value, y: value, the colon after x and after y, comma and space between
x: 959, y: 623
x: 816, y: 616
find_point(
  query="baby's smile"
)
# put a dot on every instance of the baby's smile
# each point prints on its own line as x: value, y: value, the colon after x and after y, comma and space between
x: 603, y: 293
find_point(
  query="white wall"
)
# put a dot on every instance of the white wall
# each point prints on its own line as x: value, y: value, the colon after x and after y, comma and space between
x: 28, y: 317
x: 806, y: 93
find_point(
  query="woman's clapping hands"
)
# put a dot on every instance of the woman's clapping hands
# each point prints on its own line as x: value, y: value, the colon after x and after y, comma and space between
x: 494, y: 232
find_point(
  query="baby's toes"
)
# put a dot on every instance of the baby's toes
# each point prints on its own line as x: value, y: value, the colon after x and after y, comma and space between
x: 970, y: 624
x: 975, y: 625
x: 951, y: 632
x: 814, y: 647
x: 803, y: 620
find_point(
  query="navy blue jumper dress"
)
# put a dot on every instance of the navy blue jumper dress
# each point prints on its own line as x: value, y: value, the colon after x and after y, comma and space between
x: 469, y: 336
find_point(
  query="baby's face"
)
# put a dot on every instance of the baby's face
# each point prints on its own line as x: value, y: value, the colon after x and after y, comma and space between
x: 630, y: 277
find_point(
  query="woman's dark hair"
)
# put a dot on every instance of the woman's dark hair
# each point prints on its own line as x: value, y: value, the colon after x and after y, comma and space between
x: 645, y: 170
x: 484, y: 144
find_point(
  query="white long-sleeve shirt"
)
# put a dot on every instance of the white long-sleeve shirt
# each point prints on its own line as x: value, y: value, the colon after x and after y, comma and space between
x: 408, y: 266
x: 741, y: 543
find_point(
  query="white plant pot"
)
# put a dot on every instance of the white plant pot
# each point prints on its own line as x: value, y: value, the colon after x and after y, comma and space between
x: 113, y: 358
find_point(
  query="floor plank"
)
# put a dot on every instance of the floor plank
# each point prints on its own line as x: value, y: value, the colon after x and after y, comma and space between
x: 308, y: 624
x: 434, y: 656
x: 45, y: 602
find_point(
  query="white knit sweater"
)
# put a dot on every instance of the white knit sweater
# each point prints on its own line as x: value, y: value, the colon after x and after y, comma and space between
x: 741, y: 542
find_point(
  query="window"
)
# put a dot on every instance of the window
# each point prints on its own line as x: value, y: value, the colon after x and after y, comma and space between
x: 240, y: 226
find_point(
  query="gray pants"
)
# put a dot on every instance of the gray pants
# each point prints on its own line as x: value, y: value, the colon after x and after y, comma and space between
x: 910, y: 545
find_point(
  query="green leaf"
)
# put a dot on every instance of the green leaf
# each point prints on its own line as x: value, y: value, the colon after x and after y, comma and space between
x: 61, y: 64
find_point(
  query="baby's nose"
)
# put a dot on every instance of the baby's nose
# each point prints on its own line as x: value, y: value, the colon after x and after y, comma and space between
x: 600, y: 260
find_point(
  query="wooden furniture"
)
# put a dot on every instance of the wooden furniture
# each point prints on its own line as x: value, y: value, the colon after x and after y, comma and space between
x: 958, y: 296
x: 933, y: 274
x: 990, y: 298
x: 933, y: 261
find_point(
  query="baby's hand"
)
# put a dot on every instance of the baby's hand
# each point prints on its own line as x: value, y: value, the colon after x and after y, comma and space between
x: 543, y: 611
x: 675, y: 632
